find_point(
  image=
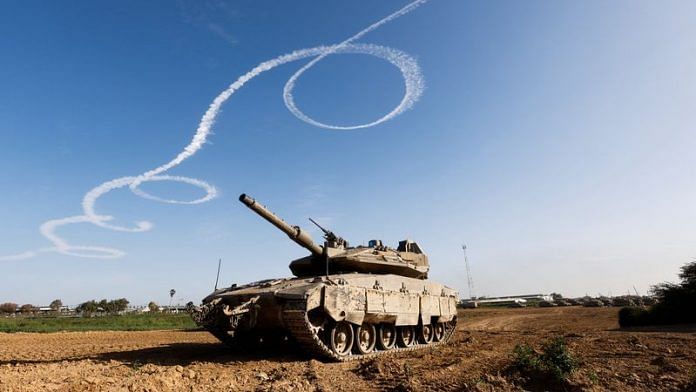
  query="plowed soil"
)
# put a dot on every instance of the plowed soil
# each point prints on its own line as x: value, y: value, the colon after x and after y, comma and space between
x: 478, y: 359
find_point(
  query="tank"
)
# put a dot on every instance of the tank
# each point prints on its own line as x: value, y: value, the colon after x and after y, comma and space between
x: 342, y: 303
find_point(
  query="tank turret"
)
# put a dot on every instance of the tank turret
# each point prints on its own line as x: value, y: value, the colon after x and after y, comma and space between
x: 336, y: 256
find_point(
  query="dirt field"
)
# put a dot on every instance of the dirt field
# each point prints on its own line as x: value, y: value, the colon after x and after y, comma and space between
x: 478, y: 359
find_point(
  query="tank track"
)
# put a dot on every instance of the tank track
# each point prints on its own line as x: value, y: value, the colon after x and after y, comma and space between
x: 295, y: 317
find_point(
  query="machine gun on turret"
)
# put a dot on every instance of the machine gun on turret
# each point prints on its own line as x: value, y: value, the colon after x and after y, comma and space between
x: 332, y: 240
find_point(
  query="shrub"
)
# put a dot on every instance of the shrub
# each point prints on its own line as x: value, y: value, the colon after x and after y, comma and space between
x: 554, y: 363
x: 525, y: 357
x: 676, y: 303
x: 556, y: 358
x: 632, y: 316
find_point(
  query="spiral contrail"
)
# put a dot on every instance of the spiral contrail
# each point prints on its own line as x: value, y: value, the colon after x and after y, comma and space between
x: 413, y: 82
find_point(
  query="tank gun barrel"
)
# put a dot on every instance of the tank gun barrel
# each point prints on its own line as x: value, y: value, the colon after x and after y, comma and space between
x: 294, y: 232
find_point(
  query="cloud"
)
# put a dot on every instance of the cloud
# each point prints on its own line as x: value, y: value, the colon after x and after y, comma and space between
x: 221, y: 32
x: 212, y: 15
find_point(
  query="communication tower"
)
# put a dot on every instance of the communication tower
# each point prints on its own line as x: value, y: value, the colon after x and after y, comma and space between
x: 469, y: 280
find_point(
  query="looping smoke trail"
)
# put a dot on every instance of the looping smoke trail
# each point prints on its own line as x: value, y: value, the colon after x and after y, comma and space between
x: 413, y: 83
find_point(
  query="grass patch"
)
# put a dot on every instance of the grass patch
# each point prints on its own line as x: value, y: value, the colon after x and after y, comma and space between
x: 129, y: 322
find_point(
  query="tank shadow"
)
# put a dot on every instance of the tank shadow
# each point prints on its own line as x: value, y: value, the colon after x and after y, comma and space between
x: 676, y: 328
x: 186, y: 353
x: 182, y: 354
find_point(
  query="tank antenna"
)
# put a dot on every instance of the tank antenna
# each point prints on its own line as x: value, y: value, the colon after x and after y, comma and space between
x: 328, y: 235
x: 218, y: 273
x: 469, y: 280
x: 326, y: 232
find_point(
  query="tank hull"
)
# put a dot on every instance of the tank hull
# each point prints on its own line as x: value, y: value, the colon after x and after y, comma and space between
x: 336, y: 317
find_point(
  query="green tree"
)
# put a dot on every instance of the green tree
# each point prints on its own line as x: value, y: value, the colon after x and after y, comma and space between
x: 56, y: 305
x: 88, y: 307
x: 171, y: 297
x: 153, y: 307
x: 675, y: 302
x: 27, y: 308
x: 8, y: 307
x: 119, y: 305
x: 112, y: 307
x: 688, y: 275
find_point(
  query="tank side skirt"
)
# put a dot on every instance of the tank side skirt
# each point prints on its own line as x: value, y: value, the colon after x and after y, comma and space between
x: 356, y: 305
x: 295, y: 317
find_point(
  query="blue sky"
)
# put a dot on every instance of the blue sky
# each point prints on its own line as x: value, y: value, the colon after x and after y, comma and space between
x: 555, y: 139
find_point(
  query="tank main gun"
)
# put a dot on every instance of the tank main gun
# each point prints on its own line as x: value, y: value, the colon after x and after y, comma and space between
x: 295, y: 233
x: 336, y: 256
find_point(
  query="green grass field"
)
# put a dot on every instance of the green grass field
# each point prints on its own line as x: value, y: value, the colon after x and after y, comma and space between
x: 130, y: 322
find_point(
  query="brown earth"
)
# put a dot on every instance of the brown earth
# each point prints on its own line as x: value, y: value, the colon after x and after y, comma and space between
x: 477, y: 359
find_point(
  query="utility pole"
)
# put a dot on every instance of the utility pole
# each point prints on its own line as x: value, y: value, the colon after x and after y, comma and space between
x: 469, y: 280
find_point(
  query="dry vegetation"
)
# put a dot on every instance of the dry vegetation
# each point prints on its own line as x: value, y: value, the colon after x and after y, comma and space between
x: 480, y: 358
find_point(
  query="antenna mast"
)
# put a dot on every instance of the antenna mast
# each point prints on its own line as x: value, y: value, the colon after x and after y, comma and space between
x: 218, y: 273
x: 469, y: 281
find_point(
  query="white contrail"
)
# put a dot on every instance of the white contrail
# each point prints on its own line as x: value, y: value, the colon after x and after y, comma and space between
x: 413, y: 82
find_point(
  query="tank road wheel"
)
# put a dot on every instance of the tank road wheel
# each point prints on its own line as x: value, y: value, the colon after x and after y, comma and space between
x: 341, y: 338
x: 386, y: 336
x: 365, y: 338
x: 438, y: 332
x: 406, y: 336
x: 425, y: 333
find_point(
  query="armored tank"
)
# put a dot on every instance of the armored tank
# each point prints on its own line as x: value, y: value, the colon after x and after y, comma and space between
x: 343, y: 302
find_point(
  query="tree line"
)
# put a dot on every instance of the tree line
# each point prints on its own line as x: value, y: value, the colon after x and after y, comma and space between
x: 89, y: 307
x: 92, y: 306
x: 11, y: 307
x: 112, y: 307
